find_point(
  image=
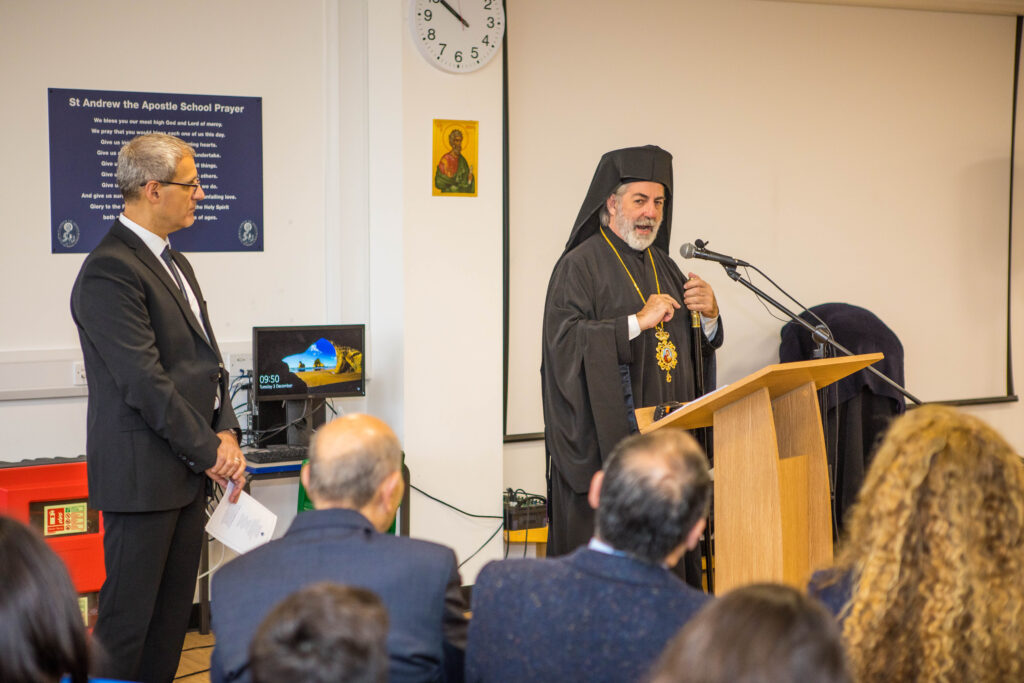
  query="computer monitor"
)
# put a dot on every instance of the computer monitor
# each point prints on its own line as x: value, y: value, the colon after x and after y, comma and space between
x: 295, y: 369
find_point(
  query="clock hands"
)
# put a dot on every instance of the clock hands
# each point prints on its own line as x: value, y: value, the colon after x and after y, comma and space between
x: 454, y: 13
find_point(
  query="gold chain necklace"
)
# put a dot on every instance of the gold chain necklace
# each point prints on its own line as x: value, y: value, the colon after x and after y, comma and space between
x: 665, y: 352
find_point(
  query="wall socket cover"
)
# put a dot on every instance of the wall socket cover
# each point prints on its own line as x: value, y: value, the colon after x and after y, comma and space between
x: 238, y: 363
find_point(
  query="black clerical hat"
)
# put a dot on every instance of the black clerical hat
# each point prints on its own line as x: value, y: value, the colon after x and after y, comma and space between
x: 649, y: 162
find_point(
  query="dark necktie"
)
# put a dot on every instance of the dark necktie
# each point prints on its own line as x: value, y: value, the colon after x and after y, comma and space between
x: 166, y: 256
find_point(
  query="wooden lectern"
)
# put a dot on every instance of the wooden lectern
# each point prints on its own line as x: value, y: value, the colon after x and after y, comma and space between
x: 771, y: 514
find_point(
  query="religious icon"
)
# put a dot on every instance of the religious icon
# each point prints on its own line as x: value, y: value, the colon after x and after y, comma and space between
x: 665, y: 352
x: 455, y: 160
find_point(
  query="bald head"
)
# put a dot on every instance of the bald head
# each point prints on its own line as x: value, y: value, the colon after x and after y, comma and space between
x: 349, y: 459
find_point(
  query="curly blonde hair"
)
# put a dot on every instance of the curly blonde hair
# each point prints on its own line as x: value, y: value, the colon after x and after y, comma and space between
x: 935, y: 552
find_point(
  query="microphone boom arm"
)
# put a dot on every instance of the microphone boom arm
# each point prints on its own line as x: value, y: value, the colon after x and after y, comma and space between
x: 816, y: 332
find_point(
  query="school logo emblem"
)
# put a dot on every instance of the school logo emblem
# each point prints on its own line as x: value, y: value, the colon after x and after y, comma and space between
x: 67, y: 233
x: 248, y: 232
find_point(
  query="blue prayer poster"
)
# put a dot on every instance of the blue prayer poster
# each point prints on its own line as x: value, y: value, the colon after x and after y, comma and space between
x: 88, y: 127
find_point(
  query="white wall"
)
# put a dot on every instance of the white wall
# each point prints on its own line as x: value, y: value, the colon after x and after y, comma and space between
x: 1008, y: 418
x: 124, y: 45
x: 347, y: 114
x: 453, y: 310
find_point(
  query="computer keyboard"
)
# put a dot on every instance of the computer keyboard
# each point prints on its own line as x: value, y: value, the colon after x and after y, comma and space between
x: 275, y: 453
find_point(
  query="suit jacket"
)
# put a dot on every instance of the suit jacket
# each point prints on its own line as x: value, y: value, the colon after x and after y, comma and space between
x: 588, y: 616
x: 417, y: 581
x: 152, y: 375
x: 833, y: 589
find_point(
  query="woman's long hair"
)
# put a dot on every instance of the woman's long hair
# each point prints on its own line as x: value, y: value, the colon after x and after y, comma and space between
x: 935, y: 552
x: 42, y: 635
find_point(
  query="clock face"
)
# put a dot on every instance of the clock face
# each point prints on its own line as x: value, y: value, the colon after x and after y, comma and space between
x: 457, y: 36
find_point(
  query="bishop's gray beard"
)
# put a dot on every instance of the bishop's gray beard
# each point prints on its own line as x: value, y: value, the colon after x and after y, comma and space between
x: 627, y: 229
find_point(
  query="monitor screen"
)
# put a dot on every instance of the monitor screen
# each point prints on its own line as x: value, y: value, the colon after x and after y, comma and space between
x: 323, y: 361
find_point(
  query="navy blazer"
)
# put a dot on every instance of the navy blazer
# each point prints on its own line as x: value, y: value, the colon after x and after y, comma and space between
x: 834, y: 590
x: 418, y: 582
x: 153, y: 372
x: 588, y: 616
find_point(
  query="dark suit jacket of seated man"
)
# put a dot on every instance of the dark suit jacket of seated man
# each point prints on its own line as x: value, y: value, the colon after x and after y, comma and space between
x: 606, y: 611
x: 354, y: 481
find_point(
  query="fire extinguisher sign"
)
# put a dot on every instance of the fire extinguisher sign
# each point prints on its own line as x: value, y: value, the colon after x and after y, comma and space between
x: 65, y: 518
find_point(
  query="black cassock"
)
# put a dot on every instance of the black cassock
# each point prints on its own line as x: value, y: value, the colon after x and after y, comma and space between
x: 593, y: 376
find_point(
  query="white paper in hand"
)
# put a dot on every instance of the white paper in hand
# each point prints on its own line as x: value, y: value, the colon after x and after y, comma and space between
x: 241, y: 526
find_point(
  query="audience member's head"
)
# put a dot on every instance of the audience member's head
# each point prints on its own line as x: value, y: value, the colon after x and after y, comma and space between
x: 652, y: 496
x: 325, y: 633
x: 935, y: 555
x: 355, y: 462
x: 42, y: 634
x: 764, y: 633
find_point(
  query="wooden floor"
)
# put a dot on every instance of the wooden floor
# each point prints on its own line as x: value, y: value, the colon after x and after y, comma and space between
x: 194, y: 666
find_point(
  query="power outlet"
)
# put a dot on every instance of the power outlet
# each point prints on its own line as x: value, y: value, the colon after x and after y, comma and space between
x: 239, y: 363
x: 78, y: 373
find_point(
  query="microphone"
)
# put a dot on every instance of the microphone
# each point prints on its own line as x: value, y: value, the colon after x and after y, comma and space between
x: 688, y: 251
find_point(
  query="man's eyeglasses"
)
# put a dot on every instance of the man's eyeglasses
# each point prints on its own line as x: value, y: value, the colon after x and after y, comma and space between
x: 194, y: 186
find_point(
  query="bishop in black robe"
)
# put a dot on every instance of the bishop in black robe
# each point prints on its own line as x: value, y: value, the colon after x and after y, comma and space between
x: 593, y: 376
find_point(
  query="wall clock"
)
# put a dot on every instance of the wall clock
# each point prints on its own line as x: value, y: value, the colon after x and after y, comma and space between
x: 457, y: 36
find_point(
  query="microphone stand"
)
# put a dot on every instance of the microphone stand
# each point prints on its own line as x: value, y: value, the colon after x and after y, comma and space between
x: 820, y: 334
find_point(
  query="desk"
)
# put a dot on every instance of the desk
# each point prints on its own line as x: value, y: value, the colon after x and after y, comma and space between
x: 535, y: 536
x: 276, y: 486
x: 274, y: 470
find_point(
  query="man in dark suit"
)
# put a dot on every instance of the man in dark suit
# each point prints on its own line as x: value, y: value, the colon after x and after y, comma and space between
x: 604, y: 612
x: 159, y: 423
x: 355, y: 483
